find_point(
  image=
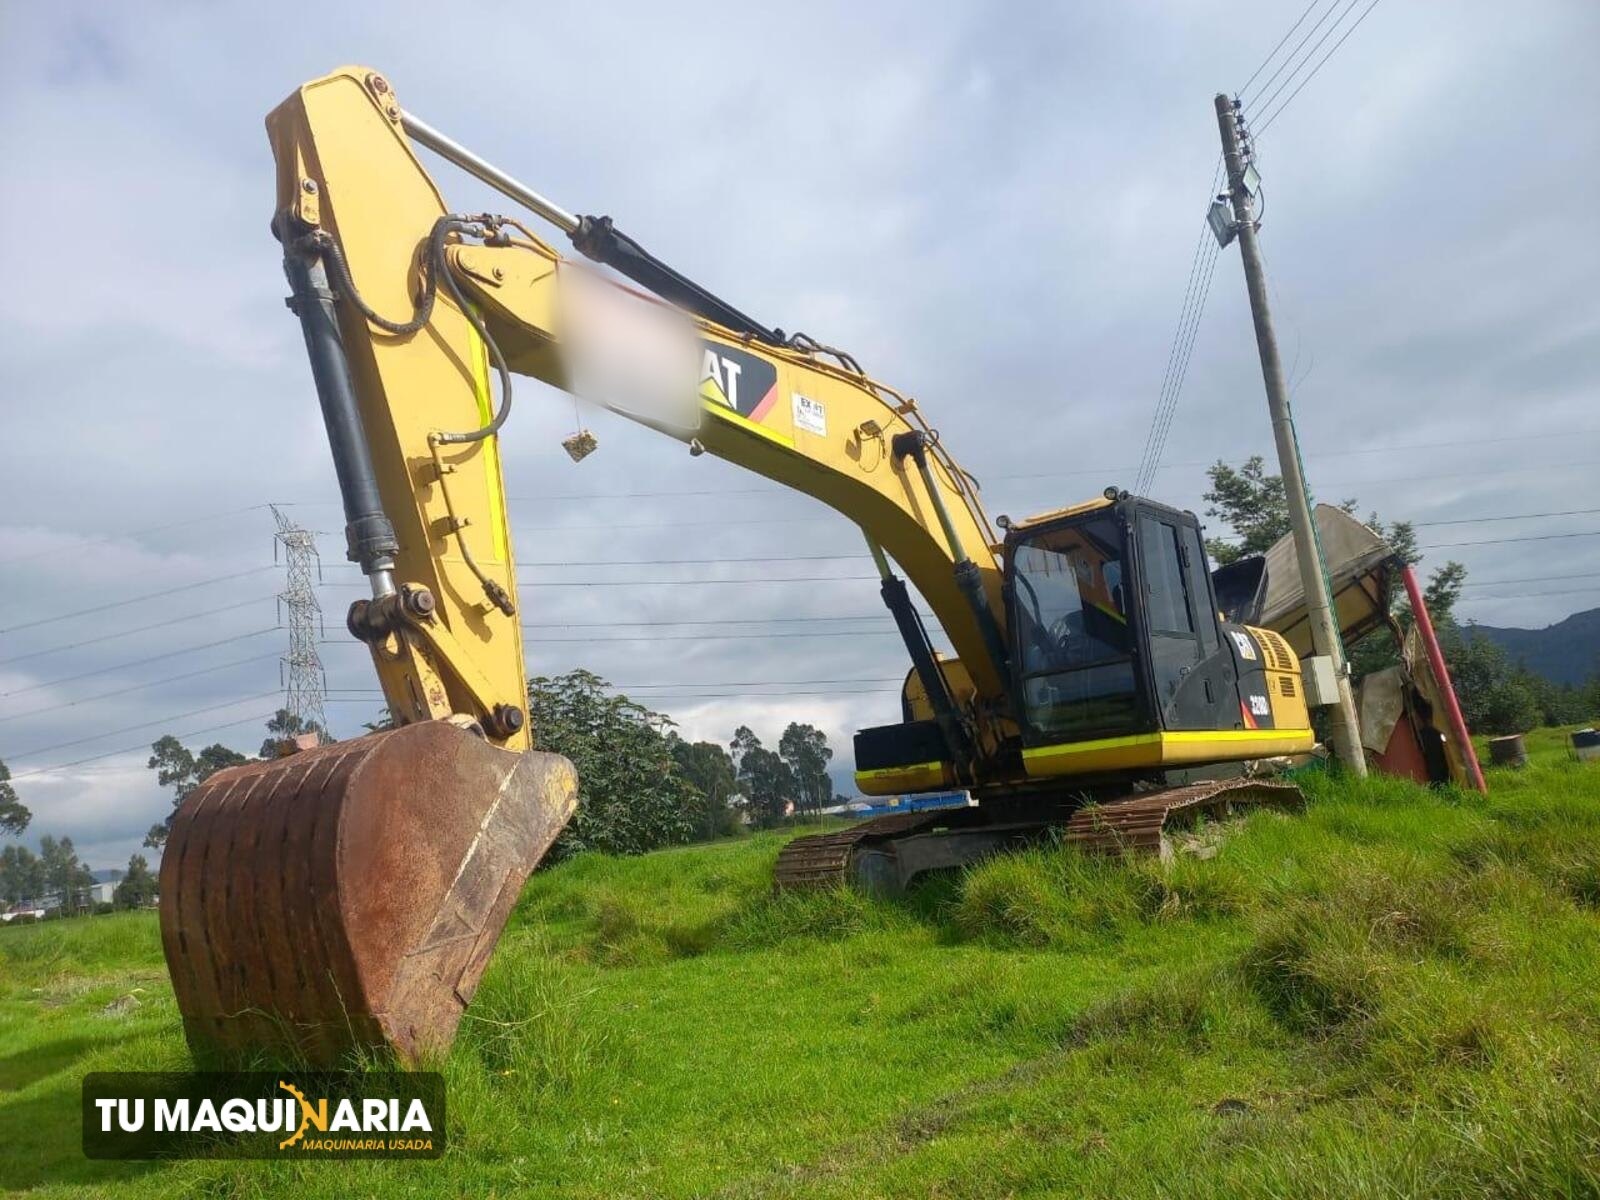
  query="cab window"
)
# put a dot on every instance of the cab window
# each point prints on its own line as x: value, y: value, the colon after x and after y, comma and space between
x: 1071, y: 623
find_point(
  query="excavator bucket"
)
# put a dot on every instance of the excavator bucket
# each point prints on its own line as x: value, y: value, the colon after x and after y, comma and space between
x: 350, y: 895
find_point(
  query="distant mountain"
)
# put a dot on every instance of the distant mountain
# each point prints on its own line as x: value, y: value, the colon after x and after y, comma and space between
x: 108, y: 875
x: 1566, y: 652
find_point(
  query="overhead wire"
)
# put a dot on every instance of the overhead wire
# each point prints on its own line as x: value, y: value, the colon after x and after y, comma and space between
x: 122, y: 633
x: 99, y: 608
x: 100, y: 538
x: 141, y: 747
x: 95, y: 737
x: 1267, y: 123
x: 1299, y: 46
x: 138, y: 687
x: 239, y: 637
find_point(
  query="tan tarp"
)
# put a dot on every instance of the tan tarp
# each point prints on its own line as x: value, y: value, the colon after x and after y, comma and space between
x: 1357, y: 562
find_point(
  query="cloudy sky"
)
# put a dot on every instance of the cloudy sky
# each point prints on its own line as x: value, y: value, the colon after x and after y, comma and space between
x: 997, y: 215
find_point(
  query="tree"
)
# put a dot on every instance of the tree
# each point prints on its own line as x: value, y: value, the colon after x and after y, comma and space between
x: 285, y: 725
x: 631, y: 795
x: 137, y: 888
x: 21, y: 875
x: 14, y: 815
x: 1495, y: 697
x: 805, y: 749
x: 709, y: 768
x: 1251, y: 503
x: 765, y: 779
x: 64, y: 875
x: 183, y: 771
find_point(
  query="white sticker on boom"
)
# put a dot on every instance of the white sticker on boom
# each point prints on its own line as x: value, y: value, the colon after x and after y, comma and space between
x: 1245, y: 643
x: 810, y: 415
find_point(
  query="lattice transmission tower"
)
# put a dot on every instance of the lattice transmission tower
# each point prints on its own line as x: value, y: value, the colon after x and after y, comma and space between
x: 303, y: 677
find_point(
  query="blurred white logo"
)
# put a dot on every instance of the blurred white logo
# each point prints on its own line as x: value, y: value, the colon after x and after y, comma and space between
x: 626, y: 352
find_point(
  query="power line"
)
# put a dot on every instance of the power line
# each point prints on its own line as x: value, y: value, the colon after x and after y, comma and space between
x: 1538, y: 537
x: 78, y: 762
x: 694, y: 683
x: 1570, y: 512
x: 1300, y: 45
x: 1172, y: 356
x: 172, y: 591
x: 95, y: 737
x: 697, y: 637
x: 1279, y: 110
x: 239, y: 637
x: 108, y: 637
x: 1531, y: 579
x: 1213, y: 252
x: 676, y: 583
x: 336, y: 698
x: 137, y: 687
x: 878, y: 616
x: 1588, y: 591
x: 591, y: 497
x: 1279, y: 46
x: 1310, y: 54
x: 97, y: 538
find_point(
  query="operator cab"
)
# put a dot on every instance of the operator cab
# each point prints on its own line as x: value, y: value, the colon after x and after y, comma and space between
x: 1121, y: 667
x: 1119, y: 657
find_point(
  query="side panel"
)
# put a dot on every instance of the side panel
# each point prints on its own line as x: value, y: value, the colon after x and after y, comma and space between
x: 1142, y: 751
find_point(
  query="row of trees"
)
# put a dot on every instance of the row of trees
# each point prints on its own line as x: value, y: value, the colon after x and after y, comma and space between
x: 641, y: 785
x: 56, y: 875
x: 1496, y: 694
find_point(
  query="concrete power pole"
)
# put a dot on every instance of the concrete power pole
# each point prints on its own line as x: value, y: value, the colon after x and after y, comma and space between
x: 1319, y: 607
x: 305, y: 682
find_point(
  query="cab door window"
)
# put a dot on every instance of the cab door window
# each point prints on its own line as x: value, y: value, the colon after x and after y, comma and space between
x: 1071, y: 624
x: 1169, y: 608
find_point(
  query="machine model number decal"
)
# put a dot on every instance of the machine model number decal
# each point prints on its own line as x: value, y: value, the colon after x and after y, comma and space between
x: 1245, y: 643
x: 1259, y: 706
x: 810, y: 415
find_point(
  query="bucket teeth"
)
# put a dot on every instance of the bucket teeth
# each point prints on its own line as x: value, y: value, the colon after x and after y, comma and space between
x: 350, y: 895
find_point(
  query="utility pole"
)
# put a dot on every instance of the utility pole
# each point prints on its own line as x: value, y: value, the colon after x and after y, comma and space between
x: 1319, y: 608
x: 305, y: 682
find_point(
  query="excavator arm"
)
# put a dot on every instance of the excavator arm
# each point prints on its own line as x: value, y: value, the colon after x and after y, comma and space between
x: 427, y: 307
x: 351, y: 894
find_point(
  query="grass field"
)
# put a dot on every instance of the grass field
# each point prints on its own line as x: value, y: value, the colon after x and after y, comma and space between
x: 1396, y: 993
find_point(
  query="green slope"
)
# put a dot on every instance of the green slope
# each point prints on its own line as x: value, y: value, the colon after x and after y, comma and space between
x: 1395, y: 993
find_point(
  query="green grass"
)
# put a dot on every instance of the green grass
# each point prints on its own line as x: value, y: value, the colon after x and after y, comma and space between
x: 1395, y: 993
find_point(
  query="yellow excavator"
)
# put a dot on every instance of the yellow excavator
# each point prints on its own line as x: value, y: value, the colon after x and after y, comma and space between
x: 351, y: 894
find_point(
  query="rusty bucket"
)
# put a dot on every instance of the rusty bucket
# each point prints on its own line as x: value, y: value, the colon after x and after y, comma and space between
x: 350, y: 896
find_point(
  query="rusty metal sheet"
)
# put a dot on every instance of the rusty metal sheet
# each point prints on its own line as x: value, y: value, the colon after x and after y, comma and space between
x: 351, y: 895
